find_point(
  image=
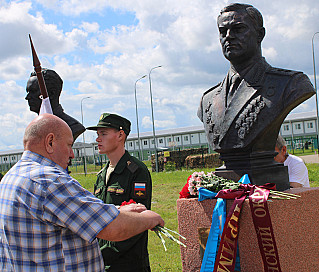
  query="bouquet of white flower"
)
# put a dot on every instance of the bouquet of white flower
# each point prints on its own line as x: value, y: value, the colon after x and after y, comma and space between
x: 165, y: 231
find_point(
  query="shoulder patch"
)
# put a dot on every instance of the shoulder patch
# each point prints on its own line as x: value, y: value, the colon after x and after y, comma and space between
x: 132, y: 166
x: 140, y: 190
x: 283, y: 72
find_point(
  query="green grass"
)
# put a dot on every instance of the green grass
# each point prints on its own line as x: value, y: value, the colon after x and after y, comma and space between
x: 313, y: 172
x: 166, y: 188
x: 86, y: 181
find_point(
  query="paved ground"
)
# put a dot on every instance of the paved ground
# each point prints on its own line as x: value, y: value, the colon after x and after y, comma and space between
x: 310, y: 158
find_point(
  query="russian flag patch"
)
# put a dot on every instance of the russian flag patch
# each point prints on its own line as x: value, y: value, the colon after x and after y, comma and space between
x: 140, y: 189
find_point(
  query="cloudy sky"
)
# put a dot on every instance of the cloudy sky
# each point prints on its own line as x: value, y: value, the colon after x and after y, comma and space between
x: 101, y: 48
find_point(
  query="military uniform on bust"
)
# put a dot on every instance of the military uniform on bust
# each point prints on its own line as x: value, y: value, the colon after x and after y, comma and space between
x: 264, y: 95
x: 128, y: 179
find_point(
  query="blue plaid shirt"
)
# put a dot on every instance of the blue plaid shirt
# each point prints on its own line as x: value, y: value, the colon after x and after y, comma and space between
x: 48, y: 221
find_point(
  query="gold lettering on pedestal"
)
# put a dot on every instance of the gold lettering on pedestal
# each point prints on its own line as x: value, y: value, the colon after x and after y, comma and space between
x: 228, y: 246
x: 222, y: 264
x: 268, y: 247
x: 260, y: 212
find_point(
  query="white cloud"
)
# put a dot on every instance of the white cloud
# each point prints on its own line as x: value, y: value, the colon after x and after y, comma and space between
x: 87, y: 87
x: 14, y: 115
x: 90, y: 27
x: 147, y: 123
x: 74, y: 7
x: 302, y: 14
x: 15, y: 68
x: 16, y: 23
x: 270, y: 53
x: 76, y: 37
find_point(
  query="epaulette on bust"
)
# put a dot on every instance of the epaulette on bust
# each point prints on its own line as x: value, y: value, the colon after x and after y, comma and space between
x: 212, y: 88
x: 132, y: 166
x: 282, y: 72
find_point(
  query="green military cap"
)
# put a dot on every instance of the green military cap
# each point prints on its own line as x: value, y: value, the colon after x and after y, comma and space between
x: 113, y: 121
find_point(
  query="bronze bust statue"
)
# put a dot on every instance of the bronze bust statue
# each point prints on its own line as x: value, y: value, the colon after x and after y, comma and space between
x: 242, y: 115
x: 53, y: 84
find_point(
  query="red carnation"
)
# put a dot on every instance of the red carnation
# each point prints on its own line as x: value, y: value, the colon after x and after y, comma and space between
x: 131, y: 201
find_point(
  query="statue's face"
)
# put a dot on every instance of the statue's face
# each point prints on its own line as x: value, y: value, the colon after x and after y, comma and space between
x: 33, y: 94
x: 237, y: 35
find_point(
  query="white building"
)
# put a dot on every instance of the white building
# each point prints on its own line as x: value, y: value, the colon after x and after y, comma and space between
x: 299, y: 124
x: 301, y: 129
x: 9, y: 158
x: 178, y: 138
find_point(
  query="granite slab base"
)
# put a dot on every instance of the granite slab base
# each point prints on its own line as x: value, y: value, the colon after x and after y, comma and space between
x: 295, y: 224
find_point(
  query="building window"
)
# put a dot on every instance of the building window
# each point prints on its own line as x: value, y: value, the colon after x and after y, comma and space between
x: 297, y: 126
x: 169, y: 139
x: 177, y: 139
x: 152, y: 141
x: 310, y: 125
x: 13, y: 157
x: 145, y: 142
x: 137, y: 143
x: 160, y: 141
x: 186, y: 138
x: 286, y: 127
x: 130, y: 144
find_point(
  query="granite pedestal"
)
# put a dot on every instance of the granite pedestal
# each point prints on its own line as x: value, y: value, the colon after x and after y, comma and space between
x: 295, y: 224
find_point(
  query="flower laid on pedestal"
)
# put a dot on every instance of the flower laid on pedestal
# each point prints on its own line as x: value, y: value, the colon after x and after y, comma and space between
x: 215, y: 184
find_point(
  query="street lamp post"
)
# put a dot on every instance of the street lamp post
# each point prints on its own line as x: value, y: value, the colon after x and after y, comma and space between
x: 314, y: 75
x: 155, y: 145
x: 140, y: 155
x: 85, y: 172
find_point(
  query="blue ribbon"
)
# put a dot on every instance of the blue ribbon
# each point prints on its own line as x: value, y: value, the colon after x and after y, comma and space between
x: 216, y: 228
x: 244, y: 179
x: 205, y: 194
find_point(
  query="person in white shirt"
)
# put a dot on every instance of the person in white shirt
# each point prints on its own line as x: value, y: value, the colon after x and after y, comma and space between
x: 297, y: 170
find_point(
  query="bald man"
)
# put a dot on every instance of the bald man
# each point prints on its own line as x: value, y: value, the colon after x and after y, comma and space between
x: 48, y: 221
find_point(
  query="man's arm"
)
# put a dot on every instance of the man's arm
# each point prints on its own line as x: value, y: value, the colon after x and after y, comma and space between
x: 128, y: 224
x: 298, y: 173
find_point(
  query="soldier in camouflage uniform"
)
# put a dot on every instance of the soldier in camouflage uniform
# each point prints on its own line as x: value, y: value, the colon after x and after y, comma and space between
x: 123, y: 178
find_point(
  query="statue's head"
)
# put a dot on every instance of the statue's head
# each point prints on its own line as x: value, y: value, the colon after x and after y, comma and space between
x: 241, y: 32
x: 53, y: 84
